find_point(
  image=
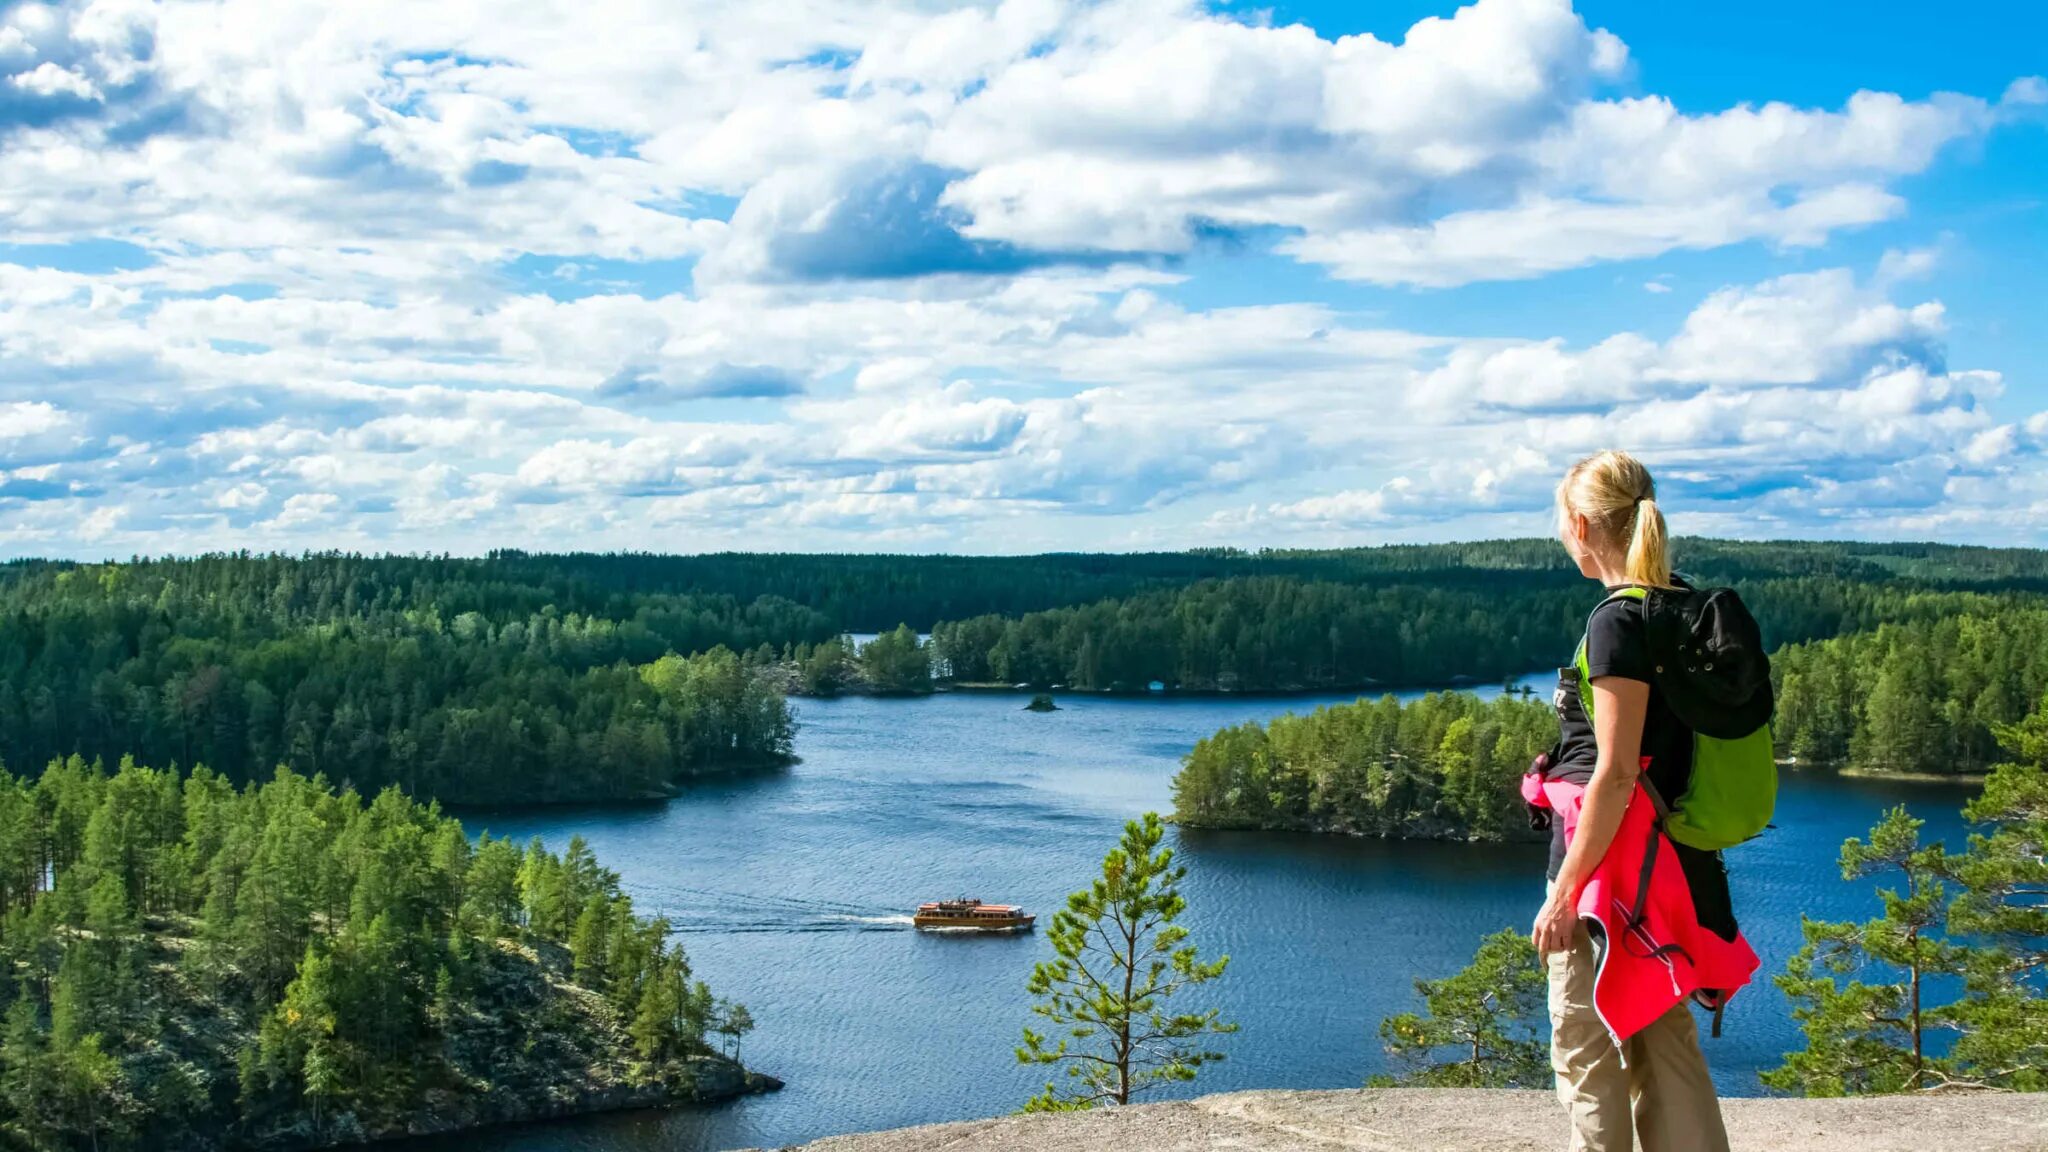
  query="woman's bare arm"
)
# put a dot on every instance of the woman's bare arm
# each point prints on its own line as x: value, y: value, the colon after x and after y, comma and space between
x: 1619, y: 706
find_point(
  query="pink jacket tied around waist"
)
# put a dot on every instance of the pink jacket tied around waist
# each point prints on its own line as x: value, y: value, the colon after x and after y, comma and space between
x: 1652, y: 953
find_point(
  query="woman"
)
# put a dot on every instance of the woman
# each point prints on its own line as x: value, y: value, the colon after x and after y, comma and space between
x: 1623, y: 1042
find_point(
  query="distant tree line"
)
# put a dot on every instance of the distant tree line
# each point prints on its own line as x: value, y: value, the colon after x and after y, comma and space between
x: 188, y: 964
x: 1282, y: 634
x: 871, y: 593
x: 550, y: 678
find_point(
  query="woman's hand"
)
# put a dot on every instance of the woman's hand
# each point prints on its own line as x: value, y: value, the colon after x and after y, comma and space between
x: 1552, y: 931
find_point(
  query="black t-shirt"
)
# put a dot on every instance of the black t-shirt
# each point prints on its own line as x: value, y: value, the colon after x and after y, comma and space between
x: 1616, y: 645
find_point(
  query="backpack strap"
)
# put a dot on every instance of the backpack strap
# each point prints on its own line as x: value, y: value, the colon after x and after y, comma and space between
x: 1627, y: 592
x: 1714, y: 1000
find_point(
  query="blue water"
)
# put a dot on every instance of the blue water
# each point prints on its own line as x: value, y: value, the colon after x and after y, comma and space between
x: 793, y: 889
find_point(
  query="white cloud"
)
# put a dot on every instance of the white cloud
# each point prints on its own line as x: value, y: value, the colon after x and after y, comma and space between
x: 1549, y: 235
x: 372, y: 145
x: 47, y: 79
x: 470, y: 276
x: 242, y: 496
x: 304, y: 509
x: 29, y: 418
x: 100, y: 522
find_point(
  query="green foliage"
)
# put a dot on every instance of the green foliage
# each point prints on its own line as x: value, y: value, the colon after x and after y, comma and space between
x: 897, y: 663
x: 1873, y: 1035
x: 1488, y: 1018
x: 470, y: 681
x: 345, y: 963
x: 733, y: 1022
x: 1969, y: 1008
x: 1436, y: 614
x: 2004, y: 900
x: 829, y: 668
x: 1444, y: 766
x: 720, y: 713
x: 522, y: 678
x: 1119, y: 958
x: 1926, y: 694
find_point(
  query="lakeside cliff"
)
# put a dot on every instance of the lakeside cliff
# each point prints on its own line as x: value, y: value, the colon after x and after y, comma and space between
x: 188, y: 965
x: 525, y: 1042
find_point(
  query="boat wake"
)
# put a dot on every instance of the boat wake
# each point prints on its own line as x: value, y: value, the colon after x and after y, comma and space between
x: 703, y: 911
x: 716, y: 928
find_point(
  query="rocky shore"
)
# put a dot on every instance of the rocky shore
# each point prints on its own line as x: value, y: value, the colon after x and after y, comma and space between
x: 705, y: 1080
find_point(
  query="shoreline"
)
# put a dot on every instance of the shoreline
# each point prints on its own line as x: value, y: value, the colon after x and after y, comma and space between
x: 1445, y: 836
x: 675, y: 790
x: 1373, y: 689
x: 729, y: 1081
x: 1970, y: 779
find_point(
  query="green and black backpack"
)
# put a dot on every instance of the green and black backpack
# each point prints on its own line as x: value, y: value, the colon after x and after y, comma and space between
x: 1710, y: 666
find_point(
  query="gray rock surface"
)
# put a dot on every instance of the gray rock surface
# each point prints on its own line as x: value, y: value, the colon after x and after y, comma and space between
x: 1447, y: 1120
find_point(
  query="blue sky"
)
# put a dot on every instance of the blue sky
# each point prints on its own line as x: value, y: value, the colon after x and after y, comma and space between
x: 1012, y: 277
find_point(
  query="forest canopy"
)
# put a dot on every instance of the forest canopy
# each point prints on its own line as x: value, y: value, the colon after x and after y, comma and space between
x: 538, y: 678
x: 188, y: 964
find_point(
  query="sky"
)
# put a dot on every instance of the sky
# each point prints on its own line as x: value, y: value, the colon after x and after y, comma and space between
x: 1012, y: 277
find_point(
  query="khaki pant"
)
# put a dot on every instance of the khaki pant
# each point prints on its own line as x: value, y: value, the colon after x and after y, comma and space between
x: 1664, y: 1096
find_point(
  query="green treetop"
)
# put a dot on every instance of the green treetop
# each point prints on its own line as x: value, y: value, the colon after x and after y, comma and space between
x: 1861, y: 991
x: 1488, y: 1018
x: 2004, y: 900
x: 1119, y: 959
x: 897, y: 662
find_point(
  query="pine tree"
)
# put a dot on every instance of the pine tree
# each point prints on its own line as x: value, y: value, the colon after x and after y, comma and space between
x: 1489, y: 1017
x: 1868, y: 1036
x: 490, y: 900
x: 97, y: 988
x: 588, y: 941
x: 303, y: 1020
x: 541, y: 892
x: 735, y: 1022
x: 2004, y: 900
x: 90, y: 1091
x: 654, y: 1028
x: 28, y: 1079
x: 1119, y: 960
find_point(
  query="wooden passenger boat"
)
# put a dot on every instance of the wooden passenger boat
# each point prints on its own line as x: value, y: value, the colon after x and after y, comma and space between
x: 972, y: 914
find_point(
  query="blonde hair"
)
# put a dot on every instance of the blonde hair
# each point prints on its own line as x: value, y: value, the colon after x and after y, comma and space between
x: 1616, y: 495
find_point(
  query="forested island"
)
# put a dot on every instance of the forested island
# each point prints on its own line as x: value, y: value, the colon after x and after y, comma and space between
x: 1440, y: 768
x: 188, y: 964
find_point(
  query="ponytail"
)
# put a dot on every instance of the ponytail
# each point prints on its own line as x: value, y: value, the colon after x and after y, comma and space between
x: 1615, y: 493
x: 1649, y: 557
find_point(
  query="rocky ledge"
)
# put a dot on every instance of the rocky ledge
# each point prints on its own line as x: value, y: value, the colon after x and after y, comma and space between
x: 1452, y: 1120
x: 696, y: 1081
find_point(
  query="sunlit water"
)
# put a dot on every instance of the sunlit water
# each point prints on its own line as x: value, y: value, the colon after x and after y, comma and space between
x: 793, y: 892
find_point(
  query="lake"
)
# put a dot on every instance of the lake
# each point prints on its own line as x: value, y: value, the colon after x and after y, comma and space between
x: 793, y: 892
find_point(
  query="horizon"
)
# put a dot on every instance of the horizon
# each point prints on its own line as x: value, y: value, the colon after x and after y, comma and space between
x: 1012, y: 279
x: 1677, y: 540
